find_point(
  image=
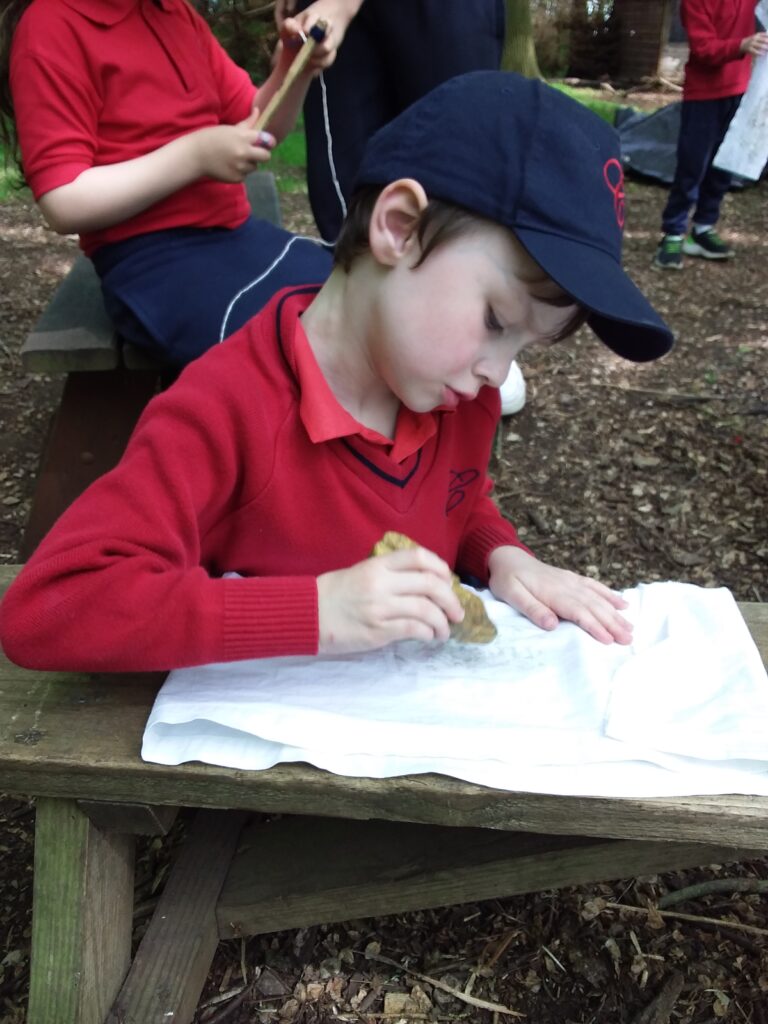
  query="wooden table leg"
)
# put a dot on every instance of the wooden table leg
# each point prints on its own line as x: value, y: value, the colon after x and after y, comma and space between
x: 82, y: 916
x: 175, y: 955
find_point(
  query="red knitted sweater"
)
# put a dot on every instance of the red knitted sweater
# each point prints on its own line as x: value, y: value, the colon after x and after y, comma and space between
x: 715, y: 29
x: 223, y: 474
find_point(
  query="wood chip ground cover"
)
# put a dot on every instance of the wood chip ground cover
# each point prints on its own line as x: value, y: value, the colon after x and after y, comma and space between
x: 627, y: 472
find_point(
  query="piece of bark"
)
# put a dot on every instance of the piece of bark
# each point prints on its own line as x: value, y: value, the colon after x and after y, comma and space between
x: 475, y: 627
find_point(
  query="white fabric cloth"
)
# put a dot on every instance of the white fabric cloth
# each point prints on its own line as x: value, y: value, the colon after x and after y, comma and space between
x: 683, y: 710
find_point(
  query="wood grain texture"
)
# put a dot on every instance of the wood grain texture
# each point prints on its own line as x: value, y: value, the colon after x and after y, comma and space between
x: 40, y: 712
x: 175, y: 955
x: 83, y: 906
x: 300, y: 871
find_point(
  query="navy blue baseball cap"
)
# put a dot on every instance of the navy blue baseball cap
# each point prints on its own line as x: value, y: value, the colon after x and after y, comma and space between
x: 520, y: 153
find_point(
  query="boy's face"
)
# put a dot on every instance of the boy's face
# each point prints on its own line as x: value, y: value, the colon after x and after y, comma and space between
x: 455, y: 323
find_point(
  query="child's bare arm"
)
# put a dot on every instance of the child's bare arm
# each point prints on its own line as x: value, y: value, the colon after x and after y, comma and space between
x: 112, y: 193
x: 103, y: 196
x: 546, y: 594
x: 405, y: 595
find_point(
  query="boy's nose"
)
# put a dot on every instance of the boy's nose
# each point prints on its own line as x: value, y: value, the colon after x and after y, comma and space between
x: 495, y: 368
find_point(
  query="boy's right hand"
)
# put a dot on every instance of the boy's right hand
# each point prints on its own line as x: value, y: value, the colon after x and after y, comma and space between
x: 405, y: 595
x: 229, y: 152
x: 755, y: 45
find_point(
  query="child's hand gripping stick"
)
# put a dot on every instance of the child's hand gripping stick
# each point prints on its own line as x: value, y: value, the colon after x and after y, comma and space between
x: 300, y: 61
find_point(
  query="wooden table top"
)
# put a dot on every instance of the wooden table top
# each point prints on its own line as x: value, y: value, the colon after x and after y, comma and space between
x: 79, y: 736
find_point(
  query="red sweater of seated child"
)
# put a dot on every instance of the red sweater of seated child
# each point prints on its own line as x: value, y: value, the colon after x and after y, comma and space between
x: 246, y: 464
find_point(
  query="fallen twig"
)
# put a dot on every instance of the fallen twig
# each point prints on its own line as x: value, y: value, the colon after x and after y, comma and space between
x: 692, y: 892
x: 670, y: 85
x: 481, y: 1004
x: 230, y: 1007
x: 683, y: 397
x: 688, y: 917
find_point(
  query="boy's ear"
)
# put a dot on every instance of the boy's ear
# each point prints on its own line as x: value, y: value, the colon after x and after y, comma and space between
x: 392, y: 229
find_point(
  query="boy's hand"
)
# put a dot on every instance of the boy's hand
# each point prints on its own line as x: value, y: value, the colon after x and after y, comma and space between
x: 546, y: 594
x: 755, y: 45
x: 406, y: 595
x: 229, y: 152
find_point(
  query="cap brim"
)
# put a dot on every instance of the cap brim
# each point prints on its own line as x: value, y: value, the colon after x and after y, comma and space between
x: 620, y: 315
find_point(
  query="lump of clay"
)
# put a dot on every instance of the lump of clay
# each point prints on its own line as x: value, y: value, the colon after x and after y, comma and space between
x: 475, y: 627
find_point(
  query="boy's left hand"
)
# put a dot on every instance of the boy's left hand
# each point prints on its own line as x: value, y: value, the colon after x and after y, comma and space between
x: 546, y: 594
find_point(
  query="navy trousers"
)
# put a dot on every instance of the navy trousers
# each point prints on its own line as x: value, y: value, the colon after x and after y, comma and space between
x: 699, y: 186
x: 394, y: 52
x: 178, y: 292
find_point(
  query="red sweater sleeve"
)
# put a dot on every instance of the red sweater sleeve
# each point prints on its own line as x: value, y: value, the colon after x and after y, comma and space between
x: 705, y: 37
x: 118, y: 583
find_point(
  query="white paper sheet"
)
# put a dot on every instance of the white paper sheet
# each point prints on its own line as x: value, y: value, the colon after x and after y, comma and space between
x: 744, y: 150
x: 684, y: 710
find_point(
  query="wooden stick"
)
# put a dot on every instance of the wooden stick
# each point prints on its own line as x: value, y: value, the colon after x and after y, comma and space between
x: 316, y: 35
x: 481, y: 1004
x: 719, y: 921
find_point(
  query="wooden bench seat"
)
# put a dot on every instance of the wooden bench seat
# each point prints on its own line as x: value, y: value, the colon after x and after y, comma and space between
x: 355, y: 847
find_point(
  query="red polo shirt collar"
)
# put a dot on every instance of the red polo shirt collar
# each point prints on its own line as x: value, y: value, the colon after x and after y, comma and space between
x: 109, y: 12
x: 325, y: 418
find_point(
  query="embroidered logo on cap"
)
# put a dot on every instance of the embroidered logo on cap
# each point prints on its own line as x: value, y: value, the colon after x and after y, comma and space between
x: 613, y: 173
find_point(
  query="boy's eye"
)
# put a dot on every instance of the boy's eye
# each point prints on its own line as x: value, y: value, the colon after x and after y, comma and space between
x: 492, y: 322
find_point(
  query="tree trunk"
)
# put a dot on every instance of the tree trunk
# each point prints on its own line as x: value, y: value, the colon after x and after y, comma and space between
x: 519, y: 50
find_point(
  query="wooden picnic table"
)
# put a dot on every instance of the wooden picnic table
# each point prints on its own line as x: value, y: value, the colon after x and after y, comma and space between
x: 347, y: 847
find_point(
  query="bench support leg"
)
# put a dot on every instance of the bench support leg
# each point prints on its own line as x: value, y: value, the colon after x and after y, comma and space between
x: 83, y: 906
x: 175, y: 955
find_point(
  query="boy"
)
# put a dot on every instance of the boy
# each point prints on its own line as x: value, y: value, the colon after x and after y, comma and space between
x: 722, y: 42
x: 487, y: 218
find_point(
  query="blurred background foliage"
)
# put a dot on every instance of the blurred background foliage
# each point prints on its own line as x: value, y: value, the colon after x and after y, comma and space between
x: 246, y: 30
x: 576, y: 38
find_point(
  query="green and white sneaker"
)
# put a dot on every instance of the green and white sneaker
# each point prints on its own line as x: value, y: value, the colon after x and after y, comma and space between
x: 669, y: 255
x: 707, y: 244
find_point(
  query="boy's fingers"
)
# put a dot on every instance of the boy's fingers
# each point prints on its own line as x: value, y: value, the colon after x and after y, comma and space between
x: 523, y: 601
x: 423, y: 613
x: 602, y: 590
x: 421, y: 559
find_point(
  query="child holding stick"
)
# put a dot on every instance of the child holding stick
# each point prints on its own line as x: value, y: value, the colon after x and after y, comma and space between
x: 136, y: 131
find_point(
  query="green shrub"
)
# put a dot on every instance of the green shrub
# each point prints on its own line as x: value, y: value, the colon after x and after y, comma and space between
x: 248, y: 36
x: 603, y: 108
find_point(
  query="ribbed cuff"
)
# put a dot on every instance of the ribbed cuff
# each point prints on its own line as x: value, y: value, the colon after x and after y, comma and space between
x: 477, y: 547
x: 270, y: 616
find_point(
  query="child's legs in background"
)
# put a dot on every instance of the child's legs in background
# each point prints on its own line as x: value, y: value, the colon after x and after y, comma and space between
x: 342, y: 110
x: 393, y: 53
x: 715, y: 182
x: 701, y: 132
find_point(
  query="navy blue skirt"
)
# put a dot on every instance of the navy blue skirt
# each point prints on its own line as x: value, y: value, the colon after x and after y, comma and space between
x: 178, y: 292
